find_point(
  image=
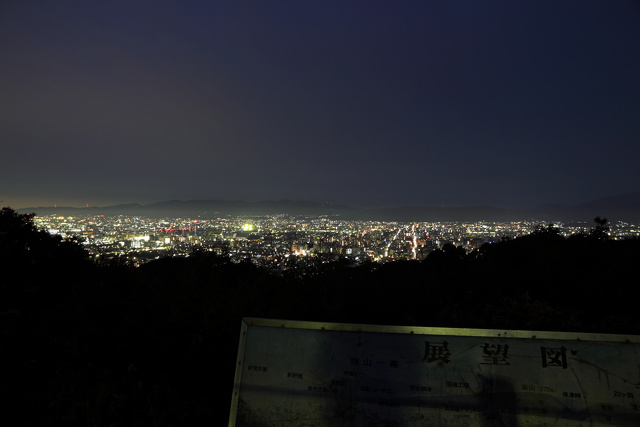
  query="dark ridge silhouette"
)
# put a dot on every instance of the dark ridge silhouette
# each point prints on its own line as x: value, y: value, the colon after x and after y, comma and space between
x: 618, y: 208
x: 624, y: 207
x: 88, y: 344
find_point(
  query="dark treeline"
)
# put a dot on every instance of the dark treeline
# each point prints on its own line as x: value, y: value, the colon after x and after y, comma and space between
x: 88, y: 344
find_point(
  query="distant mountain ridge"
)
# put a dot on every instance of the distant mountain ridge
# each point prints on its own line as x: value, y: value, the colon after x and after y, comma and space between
x: 624, y: 207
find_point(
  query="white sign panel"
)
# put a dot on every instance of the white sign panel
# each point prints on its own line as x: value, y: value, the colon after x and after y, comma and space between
x: 294, y: 374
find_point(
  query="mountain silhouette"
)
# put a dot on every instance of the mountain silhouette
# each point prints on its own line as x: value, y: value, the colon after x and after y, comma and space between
x: 624, y: 207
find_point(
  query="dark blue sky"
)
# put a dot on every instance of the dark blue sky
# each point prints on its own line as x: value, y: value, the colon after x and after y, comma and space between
x: 513, y: 104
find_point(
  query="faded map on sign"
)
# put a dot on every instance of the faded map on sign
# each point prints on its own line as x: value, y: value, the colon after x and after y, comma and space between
x: 293, y: 374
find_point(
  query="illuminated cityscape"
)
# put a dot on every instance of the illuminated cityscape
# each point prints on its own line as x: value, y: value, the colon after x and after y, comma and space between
x: 282, y: 242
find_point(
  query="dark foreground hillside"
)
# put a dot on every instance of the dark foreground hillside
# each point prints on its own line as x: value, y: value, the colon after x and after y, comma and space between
x: 83, y: 344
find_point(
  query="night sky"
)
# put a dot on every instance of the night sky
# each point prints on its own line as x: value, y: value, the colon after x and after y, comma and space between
x: 370, y: 103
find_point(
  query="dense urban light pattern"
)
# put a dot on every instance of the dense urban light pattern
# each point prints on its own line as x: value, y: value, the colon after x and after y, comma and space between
x: 282, y: 242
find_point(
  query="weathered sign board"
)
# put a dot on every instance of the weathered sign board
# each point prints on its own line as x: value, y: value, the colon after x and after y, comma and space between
x: 294, y: 374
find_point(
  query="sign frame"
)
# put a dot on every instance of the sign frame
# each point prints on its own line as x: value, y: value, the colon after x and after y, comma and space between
x: 358, y: 329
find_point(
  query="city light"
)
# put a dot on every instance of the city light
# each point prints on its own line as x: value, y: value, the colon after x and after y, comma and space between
x: 284, y: 242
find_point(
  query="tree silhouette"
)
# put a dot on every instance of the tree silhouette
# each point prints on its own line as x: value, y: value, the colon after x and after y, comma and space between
x: 30, y: 259
x: 157, y: 345
x: 601, y: 230
x: 21, y: 240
